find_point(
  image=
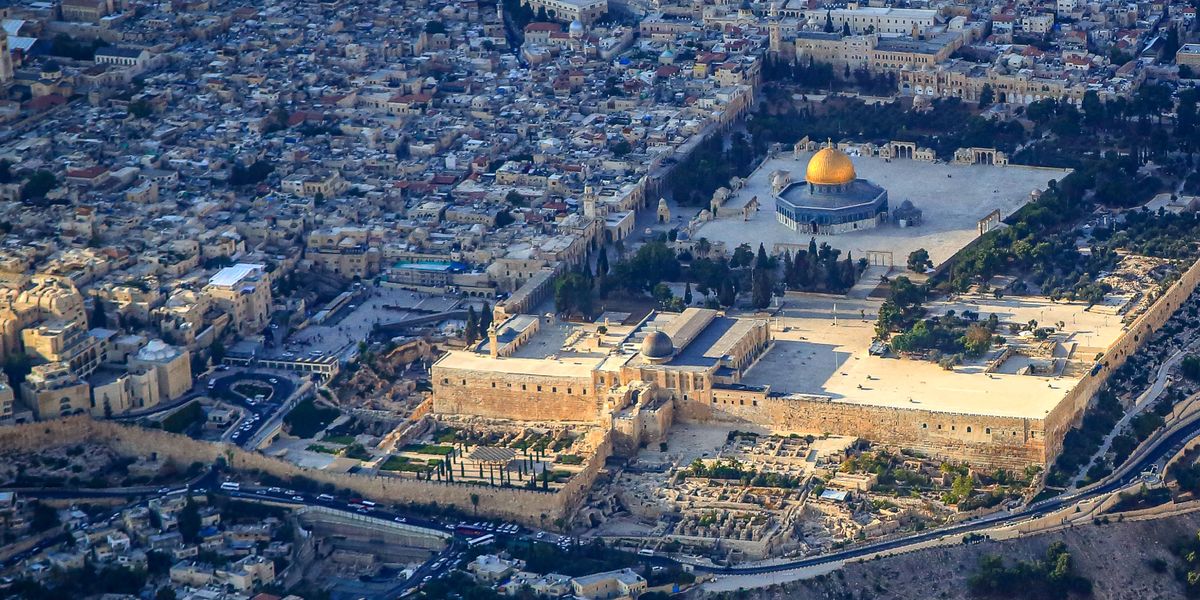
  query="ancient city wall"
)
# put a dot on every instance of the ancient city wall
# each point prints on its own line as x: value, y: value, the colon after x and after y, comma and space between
x: 984, y: 441
x: 1069, y: 412
x: 980, y: 440
x: 514, y: 396
x: 532, y: 507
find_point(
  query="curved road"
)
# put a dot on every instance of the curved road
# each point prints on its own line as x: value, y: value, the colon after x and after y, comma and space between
x: 1162, y: 448
x: 1146, y: 398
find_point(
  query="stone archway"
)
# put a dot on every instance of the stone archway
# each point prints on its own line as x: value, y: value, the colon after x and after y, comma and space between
x: 899, y: 149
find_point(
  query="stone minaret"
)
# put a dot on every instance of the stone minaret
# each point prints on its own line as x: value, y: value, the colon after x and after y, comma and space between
x: 6, y: 66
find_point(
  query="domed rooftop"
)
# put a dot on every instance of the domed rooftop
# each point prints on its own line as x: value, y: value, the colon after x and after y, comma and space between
x: 156, y: 350
x: 657, y: 345
x: 575, y: 29
x: 830, y: 166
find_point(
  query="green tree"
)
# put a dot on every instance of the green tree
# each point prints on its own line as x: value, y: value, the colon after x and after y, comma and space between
x: 918, y: 260
x: 16, y: 367
x: 986, y: 96
x: 140, y: 109
x: 189, y: 521
x: 962, y: 488
x: 99, y: 318
x: 44, y: 517
x: 662, y: 294
x: 726, y: 296
x: 471, y: 329
x: 762, y: 280
x: 602, y: 271
x: 485, y: 317
x: 38, y: 185
x: 573, y: 294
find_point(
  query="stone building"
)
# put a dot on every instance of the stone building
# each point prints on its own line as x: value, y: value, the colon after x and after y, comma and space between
x: 33, y: 300
x: 688, y: 353
x: 244, y: 292
x: 63, y: 341
x: 52, y: 391
x: 831, y: 199
x: 171, y: 366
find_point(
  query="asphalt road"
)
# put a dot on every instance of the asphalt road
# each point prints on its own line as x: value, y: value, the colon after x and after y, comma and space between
x: 440, y: 564
x: 1163, y: 448
x: 257, y: 413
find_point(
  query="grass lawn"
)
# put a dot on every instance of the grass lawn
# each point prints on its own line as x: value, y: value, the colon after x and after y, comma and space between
x: 321, y: 449
x: 307, y: 419
x: 180, y: 420
x: 252, y: 389
x: 435, y: 450
x: 356, y: 451
x: 401, y: 463
x: 344, y: 440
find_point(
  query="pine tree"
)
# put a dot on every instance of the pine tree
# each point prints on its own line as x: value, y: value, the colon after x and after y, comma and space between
x: 602, y: 271
x: 99, y: 318
x: 687, y: 294
x: 762, y: 280
x: 485, y: 318
x: 802, y: 270
x: 789, y: 270
x: 727, y: 295
x: 471, y: 331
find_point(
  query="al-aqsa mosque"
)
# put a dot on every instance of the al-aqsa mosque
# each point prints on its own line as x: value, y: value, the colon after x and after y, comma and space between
x: 831, y: 199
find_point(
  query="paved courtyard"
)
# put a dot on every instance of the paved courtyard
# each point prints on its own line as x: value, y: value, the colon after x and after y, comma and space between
x: 953, y: 198
x: 813, y: 356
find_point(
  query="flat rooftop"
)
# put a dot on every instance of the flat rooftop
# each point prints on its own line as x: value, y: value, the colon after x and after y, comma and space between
x: 579, y: 367
x: 233, y: 275
x: 814, y: 357
x: 953, y: 198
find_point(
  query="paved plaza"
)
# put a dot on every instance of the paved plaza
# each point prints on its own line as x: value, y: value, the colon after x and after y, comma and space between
x: 813, y: 356
x: 953, y: 198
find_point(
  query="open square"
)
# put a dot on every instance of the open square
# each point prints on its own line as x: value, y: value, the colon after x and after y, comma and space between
x: 953, y: 198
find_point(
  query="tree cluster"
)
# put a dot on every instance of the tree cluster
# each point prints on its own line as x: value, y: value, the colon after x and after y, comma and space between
x: 818, y: 269
x: 1053, y: 577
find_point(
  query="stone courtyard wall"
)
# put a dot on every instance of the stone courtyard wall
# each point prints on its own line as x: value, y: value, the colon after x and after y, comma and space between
x: 977, y: 439
x: 532, y: 507
x: 1070, y: 411
x: 510, y: 396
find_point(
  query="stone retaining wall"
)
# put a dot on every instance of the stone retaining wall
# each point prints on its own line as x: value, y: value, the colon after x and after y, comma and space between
x: 532, y: 507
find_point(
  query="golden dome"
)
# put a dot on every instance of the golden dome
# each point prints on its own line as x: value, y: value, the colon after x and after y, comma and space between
x: 830, y: 166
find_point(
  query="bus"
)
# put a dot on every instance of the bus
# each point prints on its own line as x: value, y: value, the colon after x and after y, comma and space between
x: 231, y: 486
x: 481, y: 540
x: 468, y: 531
